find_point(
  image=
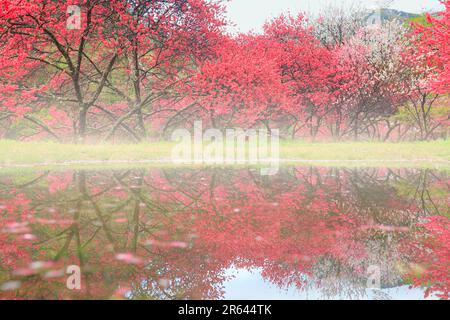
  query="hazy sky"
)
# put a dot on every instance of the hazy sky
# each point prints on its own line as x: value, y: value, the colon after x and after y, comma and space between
x: 251, y: 14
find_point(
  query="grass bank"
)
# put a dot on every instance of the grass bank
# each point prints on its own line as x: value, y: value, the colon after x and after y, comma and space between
x: 423, y: 154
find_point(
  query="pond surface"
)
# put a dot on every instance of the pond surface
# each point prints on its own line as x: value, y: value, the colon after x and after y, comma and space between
x: 305, y: 233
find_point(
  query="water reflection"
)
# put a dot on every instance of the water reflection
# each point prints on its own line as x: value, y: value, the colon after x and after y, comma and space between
x: 196, y: 234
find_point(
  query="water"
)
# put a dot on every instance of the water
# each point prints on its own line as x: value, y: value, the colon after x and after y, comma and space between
x: 306, y: 233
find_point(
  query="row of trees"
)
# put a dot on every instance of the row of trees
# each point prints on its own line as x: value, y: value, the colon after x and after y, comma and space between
x: 138, y: 69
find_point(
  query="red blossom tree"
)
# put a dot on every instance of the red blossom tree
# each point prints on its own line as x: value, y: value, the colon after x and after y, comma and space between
x: 45, y: 63
x: 306, y: 68
x: 241, y: 85
x: 124, y: 51
x: 433, y: 44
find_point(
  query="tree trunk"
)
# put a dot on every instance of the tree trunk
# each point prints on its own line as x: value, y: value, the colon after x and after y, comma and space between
x: 82, y: 125
x: 141, y: 124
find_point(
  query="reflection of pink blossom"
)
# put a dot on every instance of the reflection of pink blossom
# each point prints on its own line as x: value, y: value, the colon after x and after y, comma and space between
x: 170, y: 244
x: 128, y: 258
x: 437, y: 274
x: 58, y: 182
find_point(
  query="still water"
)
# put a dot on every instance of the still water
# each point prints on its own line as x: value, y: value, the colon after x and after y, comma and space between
x: 305, y: 233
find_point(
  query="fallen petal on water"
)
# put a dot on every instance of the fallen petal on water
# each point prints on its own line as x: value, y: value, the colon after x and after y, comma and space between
x: 29, y: 237
x: 25, y: 272
x: 128, y: 258
x: 178, y: 244
x: 170, y: 244
x: 54, y: 274
x: 17, y: 228
x: 10, y: 285
x: 37, y: 265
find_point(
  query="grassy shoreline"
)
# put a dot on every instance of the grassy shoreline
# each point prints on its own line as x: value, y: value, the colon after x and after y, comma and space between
x: 49, y: 154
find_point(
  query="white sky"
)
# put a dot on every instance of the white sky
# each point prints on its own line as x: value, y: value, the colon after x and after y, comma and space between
x: 251, y: 14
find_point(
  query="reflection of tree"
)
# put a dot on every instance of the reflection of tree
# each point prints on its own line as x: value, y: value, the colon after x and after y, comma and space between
x: 434, y: 253
x: 177, y: 231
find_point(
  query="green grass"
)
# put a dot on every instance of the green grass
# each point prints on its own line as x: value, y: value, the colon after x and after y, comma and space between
x: 47, y: 154
x: 14, y: 152
x: 412, y: 151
